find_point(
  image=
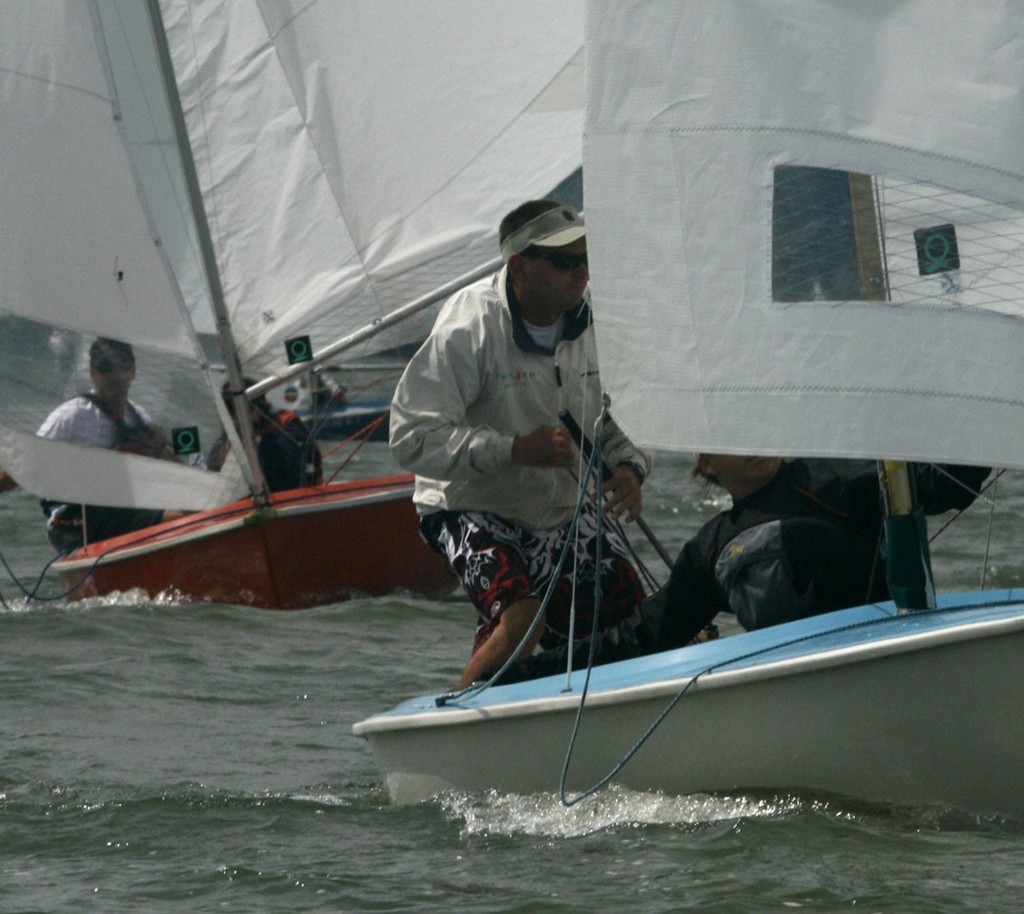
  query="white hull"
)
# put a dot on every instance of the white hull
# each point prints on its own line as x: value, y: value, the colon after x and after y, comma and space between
x: 925, y: 709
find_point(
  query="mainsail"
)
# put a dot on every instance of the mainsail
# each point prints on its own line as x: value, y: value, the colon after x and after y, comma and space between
x: 349, y: 163
x: 389, y: 142
x: 725, y: 169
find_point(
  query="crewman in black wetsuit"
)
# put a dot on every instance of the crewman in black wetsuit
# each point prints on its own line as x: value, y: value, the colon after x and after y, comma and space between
x: 802, y: 538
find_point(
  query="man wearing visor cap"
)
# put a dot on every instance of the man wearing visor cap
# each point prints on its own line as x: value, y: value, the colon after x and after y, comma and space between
x: 476, y: 417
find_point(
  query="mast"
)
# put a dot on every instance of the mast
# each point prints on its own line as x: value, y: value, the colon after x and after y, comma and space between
x: 229, y: 350
x: 909, y: 568
x: 867, y: 234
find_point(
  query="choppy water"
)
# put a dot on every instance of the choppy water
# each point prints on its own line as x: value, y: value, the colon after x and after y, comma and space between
x: 159, y: 757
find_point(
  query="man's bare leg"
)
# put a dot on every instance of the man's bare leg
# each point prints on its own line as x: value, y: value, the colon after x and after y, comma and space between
x: 512, y: 626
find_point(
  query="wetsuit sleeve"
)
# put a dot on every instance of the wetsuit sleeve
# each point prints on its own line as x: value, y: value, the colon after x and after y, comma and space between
x: 284, y: 454
x: 692, y: 597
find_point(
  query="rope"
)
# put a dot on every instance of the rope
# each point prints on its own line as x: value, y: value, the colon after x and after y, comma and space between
x: 364, y: 434
x: 478, y: 688
x: 649, y: 732
x: 33, y: 594
x: 599, y: 503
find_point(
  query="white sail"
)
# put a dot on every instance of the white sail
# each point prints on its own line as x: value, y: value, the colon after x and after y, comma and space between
x: 78, y: 249
x: 352, y: 159
x: 697, y: 152
x: 355, y: 156
x: 82, y: 254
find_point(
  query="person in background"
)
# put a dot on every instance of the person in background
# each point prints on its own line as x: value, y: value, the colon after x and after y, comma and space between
x: 104, y: 418
x: 476, y: 417
x: 288, y: 455
x: 802, y: 537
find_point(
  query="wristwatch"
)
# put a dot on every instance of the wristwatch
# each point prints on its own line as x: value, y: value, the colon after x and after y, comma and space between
x: 641, y: 473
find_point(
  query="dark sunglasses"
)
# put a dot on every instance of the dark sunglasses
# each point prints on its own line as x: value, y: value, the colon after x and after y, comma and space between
x: 565, y: 262
x: 109, y: 365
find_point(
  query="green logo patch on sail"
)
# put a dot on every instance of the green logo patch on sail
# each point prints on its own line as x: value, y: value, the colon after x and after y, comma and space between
x: 937, y: 250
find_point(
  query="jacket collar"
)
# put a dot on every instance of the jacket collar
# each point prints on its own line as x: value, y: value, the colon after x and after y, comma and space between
x: 576, y: 320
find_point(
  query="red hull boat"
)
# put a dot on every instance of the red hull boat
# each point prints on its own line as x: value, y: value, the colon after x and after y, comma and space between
x: 309, y: 547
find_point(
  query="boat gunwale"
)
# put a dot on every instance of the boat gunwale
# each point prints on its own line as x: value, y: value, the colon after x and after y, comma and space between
x: 217, y: 521
x: 412, y: 718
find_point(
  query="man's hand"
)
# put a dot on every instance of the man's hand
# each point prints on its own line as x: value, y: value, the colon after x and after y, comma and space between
x: 551, y: 446
x: 547, y: 446
x: 622, y: 494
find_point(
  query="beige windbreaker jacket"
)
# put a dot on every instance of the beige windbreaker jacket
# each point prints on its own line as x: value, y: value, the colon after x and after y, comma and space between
x: 477, y: 382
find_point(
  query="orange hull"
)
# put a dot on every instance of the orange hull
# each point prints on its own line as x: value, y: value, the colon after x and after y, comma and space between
x: 310, y: 547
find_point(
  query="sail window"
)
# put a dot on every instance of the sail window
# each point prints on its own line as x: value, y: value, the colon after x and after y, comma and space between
x: 841, y: 236
x: 814, y: 252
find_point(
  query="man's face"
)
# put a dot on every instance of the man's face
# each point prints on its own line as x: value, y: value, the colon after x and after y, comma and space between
x: 111, y: 378
x: 740, y: 475
x: 555, y: 278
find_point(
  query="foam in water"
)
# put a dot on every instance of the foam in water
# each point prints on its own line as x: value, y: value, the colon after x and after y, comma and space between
x: 544, y: 814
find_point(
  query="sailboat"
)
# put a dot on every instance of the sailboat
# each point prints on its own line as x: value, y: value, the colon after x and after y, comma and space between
x: 240, y: 190
x: 806, y: 237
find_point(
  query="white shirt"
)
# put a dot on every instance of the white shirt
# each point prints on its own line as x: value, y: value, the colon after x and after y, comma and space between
x: 80, y: 421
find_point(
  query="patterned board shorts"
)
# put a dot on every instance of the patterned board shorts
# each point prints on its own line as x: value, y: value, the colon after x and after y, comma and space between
x: 500, y: 563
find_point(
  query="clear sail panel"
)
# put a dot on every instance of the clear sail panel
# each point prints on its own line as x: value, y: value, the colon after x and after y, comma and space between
x: 163, y: 466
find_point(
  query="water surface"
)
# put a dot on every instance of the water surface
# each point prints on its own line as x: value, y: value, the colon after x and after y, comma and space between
x: 164, y: 757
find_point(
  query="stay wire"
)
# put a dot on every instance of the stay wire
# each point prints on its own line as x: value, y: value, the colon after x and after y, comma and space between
x: 990, y: 484
x: 991, y: 526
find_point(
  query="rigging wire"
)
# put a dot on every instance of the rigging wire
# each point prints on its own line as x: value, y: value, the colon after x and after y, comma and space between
x: 362, y: 436
x: 991, y: 525
x: 990, y: 484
